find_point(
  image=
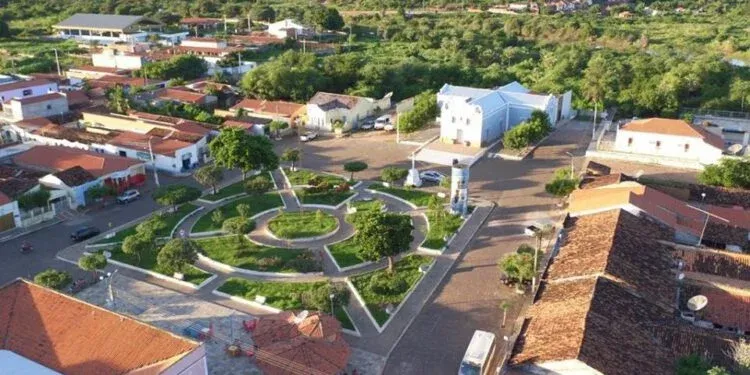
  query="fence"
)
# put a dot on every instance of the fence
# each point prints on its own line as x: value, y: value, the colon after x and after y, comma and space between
x: 716, y: 113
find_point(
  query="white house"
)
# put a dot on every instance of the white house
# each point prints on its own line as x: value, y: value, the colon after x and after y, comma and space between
x: 324, y: 109
x: 26, y: 88
x: 52, y: 104
x: 476, y: 117
x: 669, y: 139
x: 171, y: 152
x: 111, y: 58
x: 288, y: 29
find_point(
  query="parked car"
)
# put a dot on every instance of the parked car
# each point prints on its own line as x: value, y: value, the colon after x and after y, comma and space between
x: 308, y: 136
x: 382, y: 121
x: 389, y: 127
x: 84, y: 233
x: 368, y: 125
x: 128, y: 196
x: 531, y: 230
x: 432, y: 176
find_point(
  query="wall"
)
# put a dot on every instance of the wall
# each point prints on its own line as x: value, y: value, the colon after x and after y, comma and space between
x: 220, y: 44
x: 41, y: 89
x: 110, y: 60
x: 482, y: 127
x: 47, y: 108
x: 564, y: 367
x: 670, y: 146
x: 119, y: 123
x: 172, y: 164
x: 11, y: 208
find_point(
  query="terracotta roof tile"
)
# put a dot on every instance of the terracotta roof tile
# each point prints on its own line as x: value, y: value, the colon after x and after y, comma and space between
x: 75, y: 176
x: 273, y: 108
x: 718, y: 263
x: 726, y: 306
x: 327, y: 101
x: 14, y: 187
x: 161, y: 146
x: 39, y: 98
x: 183, y: 96
x: 674, y: 127
x: 57, y: 158
x: 73, y: 337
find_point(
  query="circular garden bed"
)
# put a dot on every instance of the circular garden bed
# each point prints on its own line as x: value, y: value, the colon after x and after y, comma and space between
x: 306, y: 224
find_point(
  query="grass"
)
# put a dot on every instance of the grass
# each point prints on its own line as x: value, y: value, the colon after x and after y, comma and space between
x: 257, y: 204
x: 364, y: 206
x: 284, y: 296
x: 329, y: 198
x: 342, y: 317
x: 435, y: 238
x: 291, y: 225
x: 148, y: 262
x: 238, y: 251
x: 170, y: 219
x: 407, y: 269
x: 302, y: 176
x: 417, y: 197
x: 346, y: 253
x: 233, y: 189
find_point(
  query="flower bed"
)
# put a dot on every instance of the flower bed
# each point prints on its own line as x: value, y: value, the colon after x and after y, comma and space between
x: 381, y: 288
x: 304, y: 177
x: 148, y: 262
x: 417, y: 197
x: 233, y: 189
x: 171, y: 219
x: 238, y: 251
x: 328, y: 198
x: 257, y: 204
x: 441, y: 229
x: 302, y: 224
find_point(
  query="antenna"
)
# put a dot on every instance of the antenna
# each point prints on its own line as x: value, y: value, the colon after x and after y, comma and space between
x: 696, y: 303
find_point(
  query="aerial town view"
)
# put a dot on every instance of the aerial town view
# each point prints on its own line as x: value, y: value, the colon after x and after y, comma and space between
x: 367, y: 187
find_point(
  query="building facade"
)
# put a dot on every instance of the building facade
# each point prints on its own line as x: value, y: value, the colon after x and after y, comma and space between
x: 107, y: 28
x: 26, y: 89
x: 324, y: 109
x: 52, y: 104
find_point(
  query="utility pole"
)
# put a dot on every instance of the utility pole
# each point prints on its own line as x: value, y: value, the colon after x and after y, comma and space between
x: 57, y: 61
x: 153, y: 162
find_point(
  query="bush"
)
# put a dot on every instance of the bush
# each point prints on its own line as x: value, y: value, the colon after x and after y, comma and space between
x: 266, y: 263
x: 177, y: 255
x: 36, y: 199
x: 562, y: 184
x: 528, y: 132
x: 320, y: 298
x: 53, y: 278
x: 388, y: 284
x: 393, y: 174
x: 315, y: 180
x: 731, y: 173
x: 258, y: 185
x: 304, y: 263
x: 217, y: 217
x: 343, y: 188
x: 238, y: 225
x: 322, y: 187
x: 172, y: 195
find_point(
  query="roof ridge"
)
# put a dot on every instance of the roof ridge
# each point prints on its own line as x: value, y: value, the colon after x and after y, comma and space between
x: 12, y: 310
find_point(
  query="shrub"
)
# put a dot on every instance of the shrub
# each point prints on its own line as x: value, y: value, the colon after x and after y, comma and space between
x: 258, y: 185
x: 322, y: 187
x: 388, y: 284
x: 53, y: 278
x: 354, y: 166
x: 173, y: 195
x: 177, y: 254
x: 238, y: 225
x: 266, y: 263
x: 393, y: 174
x: 562, y: 184
x: 305, y: 262
x: 315, y: 180
x: 217, y: 217
x: 320, y: 298
x: 343, y: 188
x: 528, y: 132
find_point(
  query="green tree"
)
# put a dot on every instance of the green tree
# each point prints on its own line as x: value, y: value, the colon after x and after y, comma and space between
x: 262, y: 12
x: 150, y: 227
x: 519, y: 265
x: 740, y: 90
x: 258, y: 185
x: 136, y: 245
x: 92, y: 262
x: 117, y: 100
x: 217, y: 217
x: 562, y: 183
x: 177, y: 255
x: 39, y: 198
x: 293, y: 76
x: 53, y: 279
x: 174, y: 195
x: 598, y: 82
x: 234, y: 148
x: 209, y: 175
x: 425, y: 111
x: 97, y: 192
x: 382, y: 234
x: 291, y: 155
x: 731, y: 173
x: 238, y: 225
x: 244, y: 210
x: 276, y: 126
x: 354, y: 166
x: 393, y: 174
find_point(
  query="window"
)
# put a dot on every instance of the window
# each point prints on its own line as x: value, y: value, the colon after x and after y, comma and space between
x: 123, y: 154
x: 27, y: 92
x: 49, y: 106
x: 453, y: 119
x: 630, y: 141
x: 687, y: 147
x: 658, y: 144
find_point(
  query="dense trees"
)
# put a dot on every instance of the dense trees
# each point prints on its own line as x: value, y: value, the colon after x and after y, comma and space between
x: 528, y: 132
x: 185, y: 67
x: 177, y: 255
x: 731, y: 173
x: 425, y: 110
x: 234, y: 148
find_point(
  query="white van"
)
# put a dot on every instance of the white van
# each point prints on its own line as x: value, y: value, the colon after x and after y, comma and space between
x: 479, y: 354
x: 382, y: 121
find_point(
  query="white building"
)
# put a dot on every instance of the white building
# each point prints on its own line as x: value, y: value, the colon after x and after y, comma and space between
x: 52, y: 104
x: 669, y: 139
x: 324, y: 109
x: 107, y: 28
x: 26, y: 88
x: 111, y: 58
x: 476, y: 117
x: 288, y: 29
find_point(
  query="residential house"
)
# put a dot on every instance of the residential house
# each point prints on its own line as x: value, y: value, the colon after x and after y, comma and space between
x: 607, y: 305
x: 26, y: 88
x: 477, y: 117
x: 252, y: 125
x: 200, y: 23
x: 274, y: 110
x: 107, y: 28
x: 87, y: 72
x: 324, y: 109
x: 15, y: 182
x: 184, y: 96
x: 216, y: 53
x: 111, y: 81
x: 664, y: 140
x: 52, y: 104
x: 83, y: 169
x: 288, y: 28
x: 48, y: 332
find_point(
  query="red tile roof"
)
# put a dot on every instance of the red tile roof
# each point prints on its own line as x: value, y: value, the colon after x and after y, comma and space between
x: 183, y: 96
x: 674, y: 127
x: 23, y: 84
x: 273, y: 108
x: 73, y: 337
x: 4, y: 199
x: 57, y: 158
x: 161, y: 146
x: 101, y: 69
x: 77, y: 97
x: 717, y: 263
x: 39, y: 98
x: 726, y: 306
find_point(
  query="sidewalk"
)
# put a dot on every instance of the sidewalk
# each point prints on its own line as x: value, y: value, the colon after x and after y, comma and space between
x: 18, y: 232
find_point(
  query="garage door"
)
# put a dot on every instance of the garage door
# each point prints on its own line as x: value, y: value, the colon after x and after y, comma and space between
x: 7, y: 222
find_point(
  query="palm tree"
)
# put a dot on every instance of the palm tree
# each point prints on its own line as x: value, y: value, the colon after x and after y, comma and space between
x: 596, y: 81
x: 544, y: 232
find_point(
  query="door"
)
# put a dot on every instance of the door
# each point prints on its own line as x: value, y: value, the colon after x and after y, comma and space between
x: 459, y: 136
x: 7, y: 222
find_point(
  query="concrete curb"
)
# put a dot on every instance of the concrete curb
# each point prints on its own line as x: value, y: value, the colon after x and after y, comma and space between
x: 227, y: 268
x: 304, y: 239
x: 182, y: 220
x: 349, y: 331
x: 157, y: 275
x: 361, y: 301
x: 244, y: 301
x: 336, y: 264
x: 222, y: 199
x: 448, y: 242
x: 219, y: 231
x: 336, y: 207
x: 402, y: 200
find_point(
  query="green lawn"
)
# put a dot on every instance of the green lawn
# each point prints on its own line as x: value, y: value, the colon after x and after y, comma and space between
x: 438, y: 231
x: 291, y: 225
x: 284, y: 296
x: 346, y: 252
x: 238, y: 251
x: 303, y: 176
x: 364, y: 207
x: 257, y: 204
x: 329, y: 198
x: 418, y: 197
x: 343, y: 318
x: 170, y: 219
x: 148, y: 262
x: 407, y: 269
x: 233, y: 189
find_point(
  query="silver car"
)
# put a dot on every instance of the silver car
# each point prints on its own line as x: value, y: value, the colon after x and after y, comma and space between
x: 308, y: 136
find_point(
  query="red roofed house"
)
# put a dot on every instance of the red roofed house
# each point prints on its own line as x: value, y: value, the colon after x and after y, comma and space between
x: 74, y: 171
x: 46, y: 332
x: 185, y: 96
x: 669, y: 139
x: 52, y: 104
x: 273, y: 110
x: 24, y: 89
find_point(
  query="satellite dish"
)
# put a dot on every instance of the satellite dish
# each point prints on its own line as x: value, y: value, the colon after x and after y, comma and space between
x: 697, y: 303
x: 735, y: 148
x: 301, y: 316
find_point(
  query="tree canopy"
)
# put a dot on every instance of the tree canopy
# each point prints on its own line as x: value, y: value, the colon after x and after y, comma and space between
x: 731, y: 173
x: 177, y: 255
x: 209, y: 175
x: 173, y: 195
x: 382, y: 234
x: 184, y: 67
x: 234, y: 148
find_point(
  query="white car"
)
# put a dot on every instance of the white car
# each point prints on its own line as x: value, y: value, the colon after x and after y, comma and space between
x: 382, y: 121
x: 367, y: 125
x: 128, y: 196
x: 433, y: 176
x: 308, y: 136
x: 389, y: 127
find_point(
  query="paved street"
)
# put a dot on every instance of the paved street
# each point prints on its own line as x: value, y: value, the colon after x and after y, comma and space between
x: 468, y: 298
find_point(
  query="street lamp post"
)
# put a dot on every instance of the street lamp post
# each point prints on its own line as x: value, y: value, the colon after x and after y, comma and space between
x: 331, y: 297
x: 153, y: 162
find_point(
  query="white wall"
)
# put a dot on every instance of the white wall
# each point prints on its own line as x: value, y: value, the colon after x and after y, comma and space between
x: 669, y: 146
x: 323, y: 120
x: 565, y: 367
x: 167, y: 163
x: 41, y: 89
x: 110, y: 60
x: 12, y: 208
x: 204, y: 43
x: 461, y: 121
x: 194, y: 363
x: 19, y: 111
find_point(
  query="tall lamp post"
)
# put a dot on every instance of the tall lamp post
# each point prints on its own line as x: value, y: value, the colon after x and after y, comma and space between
x: 153, y: 161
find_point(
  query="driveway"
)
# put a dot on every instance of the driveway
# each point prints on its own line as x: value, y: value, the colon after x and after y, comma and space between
x: 468, y: 298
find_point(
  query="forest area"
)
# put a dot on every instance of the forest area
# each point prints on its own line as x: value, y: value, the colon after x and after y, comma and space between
x: 646, y: 65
